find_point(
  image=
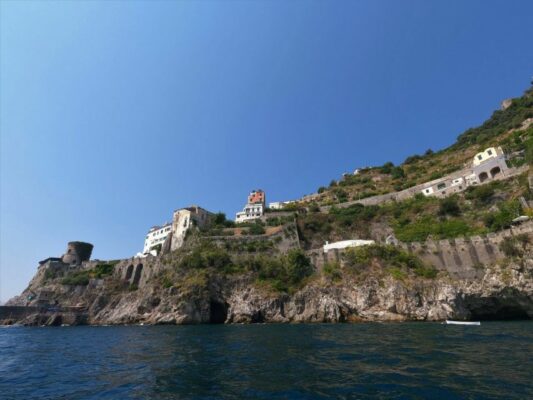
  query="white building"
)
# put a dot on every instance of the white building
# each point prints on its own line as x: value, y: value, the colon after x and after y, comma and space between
x: 182, y: 220
x: 278, y: 205
x: 254, y: 208
x: 486, y: 165
x: 156, y: 235
x: 343, y: 244
x: 250, y: 212
x: 489, y: 153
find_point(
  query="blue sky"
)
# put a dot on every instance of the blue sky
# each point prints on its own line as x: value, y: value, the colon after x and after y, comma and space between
x: 113, y: 114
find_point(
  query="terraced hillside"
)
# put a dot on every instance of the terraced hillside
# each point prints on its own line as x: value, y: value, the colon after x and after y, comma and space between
x: 510, y: 128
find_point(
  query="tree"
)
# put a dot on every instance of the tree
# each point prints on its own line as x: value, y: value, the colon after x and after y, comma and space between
x: 220, y: 218
x: 298, y: 266
x: 449, y: 206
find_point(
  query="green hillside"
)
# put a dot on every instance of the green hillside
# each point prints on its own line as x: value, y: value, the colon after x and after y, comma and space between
x: 503, y: 128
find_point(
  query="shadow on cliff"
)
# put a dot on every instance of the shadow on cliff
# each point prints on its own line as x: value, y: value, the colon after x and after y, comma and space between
x: 509, y: 304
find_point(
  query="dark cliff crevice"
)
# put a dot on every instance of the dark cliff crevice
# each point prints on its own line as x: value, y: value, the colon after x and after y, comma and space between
x: 218, y: 312
x: 507, y: 305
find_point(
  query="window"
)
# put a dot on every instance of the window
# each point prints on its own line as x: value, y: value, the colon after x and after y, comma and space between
x: 489, y: 152
x: 480, y: 157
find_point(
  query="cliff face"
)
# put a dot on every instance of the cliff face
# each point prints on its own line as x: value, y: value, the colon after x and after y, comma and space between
x: 504, y: 291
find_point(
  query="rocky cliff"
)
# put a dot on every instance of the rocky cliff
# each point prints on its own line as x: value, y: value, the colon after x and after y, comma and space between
x: 158, y: 291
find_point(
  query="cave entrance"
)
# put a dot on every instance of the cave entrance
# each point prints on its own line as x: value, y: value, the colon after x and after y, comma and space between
x: 505, y: 313
x: 218, y: 312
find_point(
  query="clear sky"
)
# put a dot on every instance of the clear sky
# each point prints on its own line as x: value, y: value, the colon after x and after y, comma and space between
x: 113, y: 114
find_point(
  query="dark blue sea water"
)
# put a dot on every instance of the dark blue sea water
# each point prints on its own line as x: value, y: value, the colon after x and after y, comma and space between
x: 388, y: 361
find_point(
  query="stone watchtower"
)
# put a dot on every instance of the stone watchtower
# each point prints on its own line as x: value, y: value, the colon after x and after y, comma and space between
x: 77, y: 252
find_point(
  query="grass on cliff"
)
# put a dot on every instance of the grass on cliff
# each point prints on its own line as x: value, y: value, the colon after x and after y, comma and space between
x: 498, y: 130
x: 81, y: 278
x: 397, y: 261
x: 478, y: 210
x: 283, y: 273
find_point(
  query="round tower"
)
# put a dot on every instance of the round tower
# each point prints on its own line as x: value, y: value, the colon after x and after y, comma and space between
x: 77, y: 252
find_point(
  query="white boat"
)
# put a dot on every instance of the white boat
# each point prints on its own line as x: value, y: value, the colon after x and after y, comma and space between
x: 448, y: 322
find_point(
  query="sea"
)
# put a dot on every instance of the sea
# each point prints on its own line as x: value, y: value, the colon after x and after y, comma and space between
x: 269, y: 361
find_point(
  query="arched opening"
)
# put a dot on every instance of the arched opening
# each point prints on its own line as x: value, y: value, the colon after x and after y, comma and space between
x: 495, y: 172
x: 483, y: 177
x: 137, y: 276
x: 129, y: 272
x: 218, y: 312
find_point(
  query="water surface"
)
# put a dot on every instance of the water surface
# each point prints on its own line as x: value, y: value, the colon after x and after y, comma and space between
x: 389, y: 361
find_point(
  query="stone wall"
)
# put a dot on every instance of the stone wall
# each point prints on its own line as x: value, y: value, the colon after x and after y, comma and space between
x: 77, y: 252
x: 284, y: 240
x: 462, y: 258
x: 412, y: 191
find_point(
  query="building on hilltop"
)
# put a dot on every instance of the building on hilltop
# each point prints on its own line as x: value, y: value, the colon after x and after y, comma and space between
x: 279, y: 205
x: 172, y: 235
x: 185, y: 218
x: 156, y: 236
x: 77, y: 253
x: 486, y: 165
x: 254, y: 208
x: 489, y: 164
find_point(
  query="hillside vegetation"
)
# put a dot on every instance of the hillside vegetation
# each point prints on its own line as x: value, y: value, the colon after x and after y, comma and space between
x: 508, y: 128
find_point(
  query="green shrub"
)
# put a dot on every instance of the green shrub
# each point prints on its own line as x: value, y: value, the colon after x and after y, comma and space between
x: 528, y: 155
x: 397, y: 273
x: 206, y: 255
x: 397, y: 173
x: 102, y: 270
x: 509, y: 248
x: 388, y: 256
x: 256, y: 229
x: 482, y: 195
x: 76, y: 278
x: 502, y: 219
x: 332, y: 270
x: 449, y: 206
x: 386, y: 168
x: 298, y: 266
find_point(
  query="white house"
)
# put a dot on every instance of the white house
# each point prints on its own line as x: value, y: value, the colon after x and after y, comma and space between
x: 487, y: 154
x: 346, y: 243
x: 250, y: 212
x: 156, y: 235
x: 278, y: 205
x: 254, y: 208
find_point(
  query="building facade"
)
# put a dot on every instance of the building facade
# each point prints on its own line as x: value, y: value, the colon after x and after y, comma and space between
x: 254, y: 208
x: 486, y: 165
x: 156, y: 236
x: 175, y: 232
x: 185, y: 218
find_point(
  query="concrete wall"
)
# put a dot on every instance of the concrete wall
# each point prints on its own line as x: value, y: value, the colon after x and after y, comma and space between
x: 288, y: 238
x: 412, y: 191
x: 462, y: 258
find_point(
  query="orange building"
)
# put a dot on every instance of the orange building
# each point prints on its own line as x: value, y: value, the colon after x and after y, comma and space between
x: 256, y: 197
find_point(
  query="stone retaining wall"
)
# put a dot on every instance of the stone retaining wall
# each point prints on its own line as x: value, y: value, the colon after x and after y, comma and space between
x: 462, y: 258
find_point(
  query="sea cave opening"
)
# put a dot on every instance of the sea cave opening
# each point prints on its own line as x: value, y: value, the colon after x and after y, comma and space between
x: 218, y: 312
x: 508, y: 305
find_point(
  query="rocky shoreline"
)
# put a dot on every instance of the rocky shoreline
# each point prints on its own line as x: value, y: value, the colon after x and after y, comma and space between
x: 502, y: 293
